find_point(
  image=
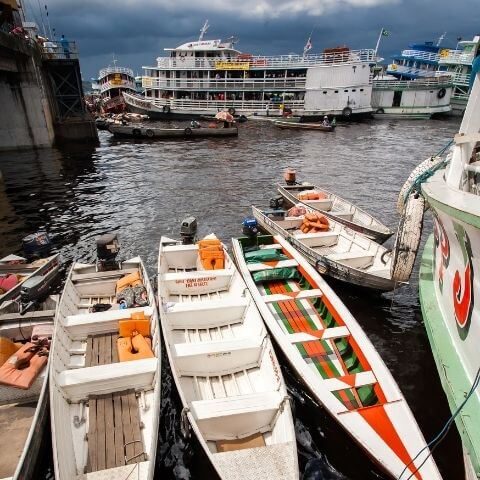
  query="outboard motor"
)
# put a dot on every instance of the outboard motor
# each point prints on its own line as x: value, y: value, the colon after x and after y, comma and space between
x: 290, y: 176
x: 276, y: 202
x: 107, y: 251
x: 250, y: 227
x: 188, y: 230
x: 37, y: 245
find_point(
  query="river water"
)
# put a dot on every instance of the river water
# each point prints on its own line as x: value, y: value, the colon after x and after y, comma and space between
x: 143, y: 190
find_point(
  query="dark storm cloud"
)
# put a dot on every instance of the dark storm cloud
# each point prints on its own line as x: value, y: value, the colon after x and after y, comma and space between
x: 137, y: 31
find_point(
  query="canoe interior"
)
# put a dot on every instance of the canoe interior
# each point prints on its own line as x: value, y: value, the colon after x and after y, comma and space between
x: 225, y: 367
x: 104, y: 414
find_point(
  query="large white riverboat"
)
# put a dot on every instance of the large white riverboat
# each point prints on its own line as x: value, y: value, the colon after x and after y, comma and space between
x: 205, y: 76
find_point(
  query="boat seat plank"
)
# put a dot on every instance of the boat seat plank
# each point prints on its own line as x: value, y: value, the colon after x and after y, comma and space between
x: 37, y: 316
x: 114, y: 431
x: 354, y: 259
x: 284, y: 297
x: 79, y: 383
x: 275, y: 246
x: 322, y: 235
x: 101, y: 349
x: 110, y: 275
x: 237, y: 416
x: 206, y: 314
x: 314, y: 335
x: 256, y: 267
x: 196, y: 282
x: 213, y: 358
x: 347, y: 215
x: 356, y: 380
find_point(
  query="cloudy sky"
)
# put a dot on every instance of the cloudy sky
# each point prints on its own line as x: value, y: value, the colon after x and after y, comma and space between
x: 138, y: 31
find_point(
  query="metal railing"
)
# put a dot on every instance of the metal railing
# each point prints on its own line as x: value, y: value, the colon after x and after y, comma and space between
x: 255, y: 62
x: 420, y: 55
x: 60, y: 51
x: 460, y: 78
x: 117, y: 84
x: 297, y: 83
x: 109, y: 70
x: 444, y: 81
x: 457, y: 56
x: 393, y: 69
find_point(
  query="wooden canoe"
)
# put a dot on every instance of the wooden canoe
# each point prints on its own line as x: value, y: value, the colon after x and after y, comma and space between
x: 339, y: 252
x: 24, y: 413
x: 105, y: 412
x: 339, y: 209
x: 142, y: 131
x: 332, y: 355
x: 303, y: 126
x: 225, y: 368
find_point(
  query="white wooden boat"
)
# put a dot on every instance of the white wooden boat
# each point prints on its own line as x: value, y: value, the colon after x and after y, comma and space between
x: 347, y: 255
x: 142, y: 131
x: 105, y: 408
x: 338, y: 208
x: 283, y: 124
x: 23, y: 410
x: 224, y: 367
x: 330, y: 352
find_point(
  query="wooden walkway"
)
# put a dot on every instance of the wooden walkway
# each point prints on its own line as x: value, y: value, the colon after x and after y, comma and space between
x: 114, y: 434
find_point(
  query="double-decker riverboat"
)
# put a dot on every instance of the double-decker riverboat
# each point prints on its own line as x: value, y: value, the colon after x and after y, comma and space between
x: 205, y: 76
x: 114, y: 82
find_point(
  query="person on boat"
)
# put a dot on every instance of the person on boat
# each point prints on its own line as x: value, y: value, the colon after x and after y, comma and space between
x: 326, y: 122
x: 64, y: 43
x: 194, y: 124
x: 334, y: 122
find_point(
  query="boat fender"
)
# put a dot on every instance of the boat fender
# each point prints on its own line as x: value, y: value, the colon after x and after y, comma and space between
x: 166, y: 109
x: 441, y: 93
x: 384, y: 254
x: 149, y: 133
x: 380, y: 111
x: 231, y: 111
x: 321, y: 267
x: 136, y: 132
x: 185, y: 428
x: 347, y: 112
x: 187, y: 132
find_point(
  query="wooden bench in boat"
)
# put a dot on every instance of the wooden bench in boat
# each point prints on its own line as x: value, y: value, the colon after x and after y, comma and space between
x: 324, y: 334
x: 206, y: 314
x: 345, y: 214
x: 258, y: 266
x: 236, y: 416
x: 319, y: 239
x: 114, y: 431
x: 109, y: 275
x: 79, y: 383
x: 101, y: 349
x: 218, y: 357
x: 353, y: 259
x: 356, y: 380
x: 80, y: 325
x: 298, y: 295
x: 197, y: 282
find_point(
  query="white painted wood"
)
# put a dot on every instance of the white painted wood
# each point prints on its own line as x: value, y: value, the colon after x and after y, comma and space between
x: 361, y: 379
x: 278, y: 297
x: 257, y: 267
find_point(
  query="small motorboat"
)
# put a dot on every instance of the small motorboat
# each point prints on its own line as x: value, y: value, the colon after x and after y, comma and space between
x: 142, y: 131
x: 332, y: 355
x: 224, y: 364
x: 105, y: 375
x: 303, y: 126
x: 335, y: 207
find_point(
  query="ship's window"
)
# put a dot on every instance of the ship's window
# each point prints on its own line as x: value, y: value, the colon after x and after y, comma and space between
x: 324, y: 92
x: 361, y: 89
x: 346, y: 91
x: 336, y: 91
x: 354, y: 89
x: 431, y: 91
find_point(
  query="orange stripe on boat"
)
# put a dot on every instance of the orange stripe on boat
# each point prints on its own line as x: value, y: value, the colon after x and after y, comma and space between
x: 378, y: 419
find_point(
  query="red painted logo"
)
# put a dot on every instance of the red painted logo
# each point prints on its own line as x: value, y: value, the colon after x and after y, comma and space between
x: 441, y: 240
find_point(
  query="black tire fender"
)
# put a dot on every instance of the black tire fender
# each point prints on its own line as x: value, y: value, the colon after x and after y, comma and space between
x: 149, y: 133
x: 347, y: 112
x: 441, y: 93
x: 188, y: 132
x: 136, y: 132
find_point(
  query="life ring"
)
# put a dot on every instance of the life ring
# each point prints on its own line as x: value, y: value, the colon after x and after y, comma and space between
x: 441, y: 93
x: 347, y: 112
x: 380, y: 111
x: 321, y: 267
x: 166, y: 109
x: 149, y: 133
x: 136, y: 132
x: 231, y: 111
x: 188, y: 132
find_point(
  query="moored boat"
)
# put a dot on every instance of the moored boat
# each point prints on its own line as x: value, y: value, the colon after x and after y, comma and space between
x: 105, y: 375
x: 303, y: 126
x: 141, y: 131
x: 337, y: 208
x: 328, y: 350
x: 223, y: 363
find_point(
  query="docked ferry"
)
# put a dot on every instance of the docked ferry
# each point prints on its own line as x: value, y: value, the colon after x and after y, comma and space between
x: 114, y: 82
x: 205, y: 76
x: 458, y: 63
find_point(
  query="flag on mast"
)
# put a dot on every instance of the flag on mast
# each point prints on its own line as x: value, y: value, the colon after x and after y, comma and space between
x: 385, y: 33
x: 308, y: 46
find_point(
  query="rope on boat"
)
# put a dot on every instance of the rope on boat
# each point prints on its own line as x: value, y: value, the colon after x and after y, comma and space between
x: 443, y: 432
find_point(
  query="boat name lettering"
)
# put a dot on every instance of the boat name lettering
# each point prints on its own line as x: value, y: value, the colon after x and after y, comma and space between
x: 219, y: 354
x: 196, y: 282
x: 232, y: 65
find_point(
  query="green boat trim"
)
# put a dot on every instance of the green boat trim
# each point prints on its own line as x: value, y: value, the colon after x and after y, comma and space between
x: 453, y: 376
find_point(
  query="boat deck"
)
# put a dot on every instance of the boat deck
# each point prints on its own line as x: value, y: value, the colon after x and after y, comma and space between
x: 101, y: 349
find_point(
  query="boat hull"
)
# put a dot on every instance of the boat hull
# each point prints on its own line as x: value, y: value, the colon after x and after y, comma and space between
x: 167, y: 133
x: 303, y: 126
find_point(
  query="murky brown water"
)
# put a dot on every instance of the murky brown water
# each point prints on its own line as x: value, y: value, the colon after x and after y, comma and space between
x: 143, y: 190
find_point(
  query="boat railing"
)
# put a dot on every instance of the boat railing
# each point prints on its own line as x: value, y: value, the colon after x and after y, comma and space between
x: 59, y: 50
x: 420, y: 55
x: 117, y: 84
x: 138, y: 100
x: 461, y: 78
x: 109, y: 70
x: 396, y: 69
x: 443, y: 81
x: 225, y: 83
x: 254, y: 62
x: 457, y: 56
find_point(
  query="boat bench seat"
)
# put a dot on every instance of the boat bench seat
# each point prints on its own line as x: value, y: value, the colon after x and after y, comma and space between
x: 180, y: 256
x: 196, y: 282
x: 319, y: 239
x: 345, y: 214
x: 258, y: 266
x: 238, y: 416
x: 207, y: 314
x: 81, y: 325
x: 353, y: 259
x: 217, y: 357
x: 285, y: 297
x: 79, y: 383
x: 275, y: 246
x: 356, y: 380
x: 322, y: 204
x: 325, y: 334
